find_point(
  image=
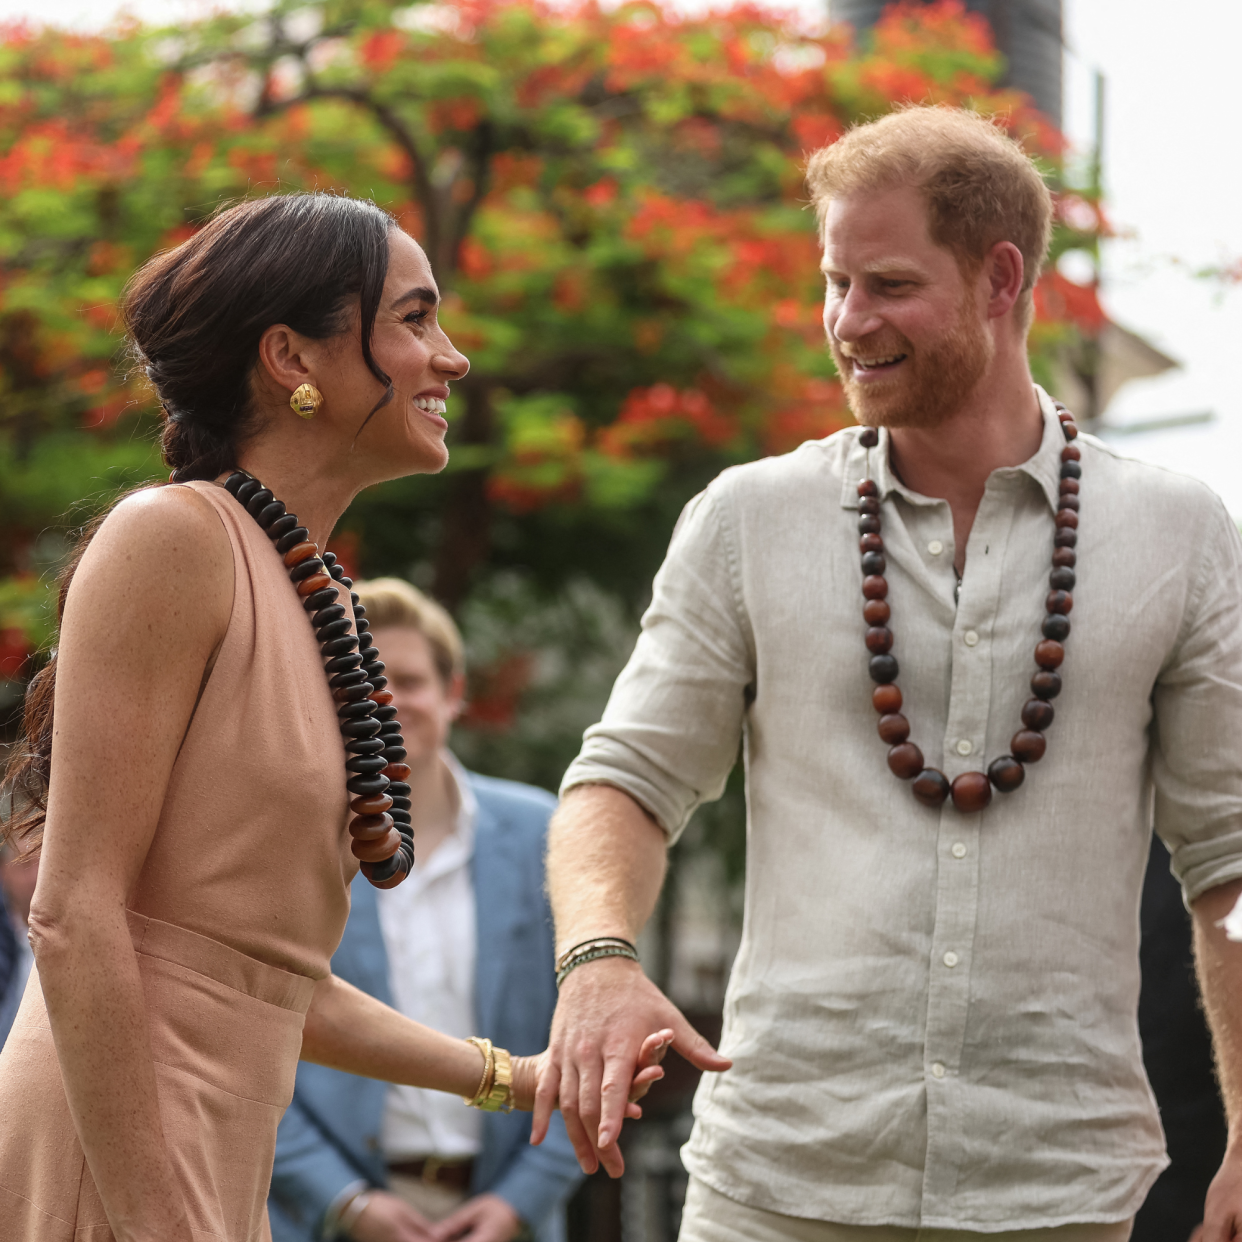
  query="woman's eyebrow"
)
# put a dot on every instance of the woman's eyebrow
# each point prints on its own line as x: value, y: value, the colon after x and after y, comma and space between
x: 419, y: 294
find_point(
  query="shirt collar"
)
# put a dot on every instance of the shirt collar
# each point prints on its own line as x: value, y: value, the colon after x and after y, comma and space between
x: 467, y: 803
x: 457, y: 848
x: 1044, y: 467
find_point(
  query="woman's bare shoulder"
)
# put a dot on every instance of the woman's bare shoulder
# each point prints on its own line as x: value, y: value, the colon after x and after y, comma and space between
x: 166, y: 547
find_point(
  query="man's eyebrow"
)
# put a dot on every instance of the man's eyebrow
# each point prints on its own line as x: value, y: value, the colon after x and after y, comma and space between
x: 882, y: 266
x: 419, y: 294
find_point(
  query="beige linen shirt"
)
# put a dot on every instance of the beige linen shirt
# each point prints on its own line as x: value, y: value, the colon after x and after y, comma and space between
x: 932, y: 1016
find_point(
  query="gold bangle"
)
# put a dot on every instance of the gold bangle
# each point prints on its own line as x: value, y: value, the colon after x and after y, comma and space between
x: 496, y: 1087
x: 489, y: 1069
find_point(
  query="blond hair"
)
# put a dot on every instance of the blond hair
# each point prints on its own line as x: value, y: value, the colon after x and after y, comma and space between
x: 393, y: 602
x: 980, y: 186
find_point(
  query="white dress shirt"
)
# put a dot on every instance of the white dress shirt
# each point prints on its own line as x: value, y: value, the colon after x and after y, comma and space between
x: 428, y: 923
x: 932, y: 1016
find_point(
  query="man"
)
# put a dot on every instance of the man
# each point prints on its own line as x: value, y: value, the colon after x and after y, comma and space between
x: 931, y: 1018
x: 465, y: 946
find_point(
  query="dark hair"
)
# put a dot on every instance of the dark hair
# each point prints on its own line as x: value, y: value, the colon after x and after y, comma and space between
x: 195, y: 314
x: 194, y: 317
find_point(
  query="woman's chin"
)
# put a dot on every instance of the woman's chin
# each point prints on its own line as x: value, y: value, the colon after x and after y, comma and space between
x: 417, y: 457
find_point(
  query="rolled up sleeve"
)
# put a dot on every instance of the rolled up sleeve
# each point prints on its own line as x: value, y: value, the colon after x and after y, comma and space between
x: 1197, y: 727
x: 670, y: 733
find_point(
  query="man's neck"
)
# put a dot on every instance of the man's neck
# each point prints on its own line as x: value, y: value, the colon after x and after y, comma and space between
x: 433, y: 805
x: 1000, y: 424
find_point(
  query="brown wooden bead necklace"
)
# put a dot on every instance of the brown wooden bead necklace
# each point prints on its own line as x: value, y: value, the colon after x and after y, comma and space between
x: 376, y: 774
x: 972, y: 791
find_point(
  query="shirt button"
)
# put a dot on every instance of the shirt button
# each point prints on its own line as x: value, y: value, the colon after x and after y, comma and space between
x: 970, y: 638
x: 965, y: 746
x: 959, y: 849
x: 950, y: 959
x: 935, y: 547
x: 937, y: 1070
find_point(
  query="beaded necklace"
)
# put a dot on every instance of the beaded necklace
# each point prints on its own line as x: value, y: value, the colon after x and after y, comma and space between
x: 376, y: 774
x: 971, y: 791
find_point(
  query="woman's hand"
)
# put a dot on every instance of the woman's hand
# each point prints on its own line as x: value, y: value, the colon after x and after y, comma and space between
x: 527, y: 1072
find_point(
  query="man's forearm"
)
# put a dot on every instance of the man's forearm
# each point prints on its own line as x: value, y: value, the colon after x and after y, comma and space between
x: 606, y: 863
x: 1219, y: 965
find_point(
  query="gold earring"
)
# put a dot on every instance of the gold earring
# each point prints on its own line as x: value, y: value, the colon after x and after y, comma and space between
x: 306, y: 400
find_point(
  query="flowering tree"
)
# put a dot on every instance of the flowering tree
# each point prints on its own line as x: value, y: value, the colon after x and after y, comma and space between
x: 612, y: 201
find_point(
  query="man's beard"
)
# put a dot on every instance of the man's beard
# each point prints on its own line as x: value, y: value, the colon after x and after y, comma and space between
x: 929, y: 385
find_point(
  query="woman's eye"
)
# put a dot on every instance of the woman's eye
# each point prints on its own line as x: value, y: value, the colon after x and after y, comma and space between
x: 416, y: 316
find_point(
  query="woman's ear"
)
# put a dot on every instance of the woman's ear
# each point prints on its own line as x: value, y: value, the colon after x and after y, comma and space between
x: 283, y: 357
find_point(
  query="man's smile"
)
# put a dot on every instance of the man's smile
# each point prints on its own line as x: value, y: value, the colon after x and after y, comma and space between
x: 876, y: 366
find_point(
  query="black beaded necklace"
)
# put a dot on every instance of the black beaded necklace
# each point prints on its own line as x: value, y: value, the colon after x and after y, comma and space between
x: 376, y: 774
x: 972, y: 791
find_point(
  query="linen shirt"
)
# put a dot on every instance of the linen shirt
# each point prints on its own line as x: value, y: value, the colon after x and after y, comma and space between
x: 932, y: 1015
x: 428, y: 923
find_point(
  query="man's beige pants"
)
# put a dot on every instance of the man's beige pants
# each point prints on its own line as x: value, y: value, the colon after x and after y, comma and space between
x: 712, y: 1217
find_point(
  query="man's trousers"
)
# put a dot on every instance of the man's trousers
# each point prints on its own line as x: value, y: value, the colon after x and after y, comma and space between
x: 712, y: 1217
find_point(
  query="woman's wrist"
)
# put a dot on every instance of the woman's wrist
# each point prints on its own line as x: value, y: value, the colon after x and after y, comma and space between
x: 525, y: 1081
x: 495, y: 1090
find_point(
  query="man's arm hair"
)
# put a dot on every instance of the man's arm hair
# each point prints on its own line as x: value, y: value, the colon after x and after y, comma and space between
x: 1219, y: 965
x: 1218, y: 962
x: 606, y: 863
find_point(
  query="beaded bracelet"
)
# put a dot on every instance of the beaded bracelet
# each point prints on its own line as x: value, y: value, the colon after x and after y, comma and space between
x: 596, y: 942
x: 593, y: 951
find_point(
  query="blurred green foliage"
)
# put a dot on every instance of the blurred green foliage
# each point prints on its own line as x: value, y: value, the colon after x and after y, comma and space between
x: 613, y: 204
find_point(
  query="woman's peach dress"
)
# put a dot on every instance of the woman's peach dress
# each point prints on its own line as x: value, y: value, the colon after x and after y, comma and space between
x: 237, y: 911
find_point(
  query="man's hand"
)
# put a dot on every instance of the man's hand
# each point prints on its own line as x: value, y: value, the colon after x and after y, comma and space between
x: 604, y: 1019
x: 485, y: 1218
x: 1222, y: 1213
x: 388, y: 1219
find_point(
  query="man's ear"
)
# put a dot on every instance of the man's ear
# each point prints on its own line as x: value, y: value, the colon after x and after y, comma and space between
x: 1005, y: 271
x: 456, y: 695
x: 282, y: 357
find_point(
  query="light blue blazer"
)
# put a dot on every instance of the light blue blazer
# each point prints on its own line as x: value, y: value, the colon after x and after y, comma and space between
x: 330, y: 1135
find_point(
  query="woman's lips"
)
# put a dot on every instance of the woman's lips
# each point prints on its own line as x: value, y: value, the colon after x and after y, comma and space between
x: 433, y: 409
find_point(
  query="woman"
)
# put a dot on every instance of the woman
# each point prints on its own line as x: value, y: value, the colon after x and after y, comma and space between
x: 190, y: 798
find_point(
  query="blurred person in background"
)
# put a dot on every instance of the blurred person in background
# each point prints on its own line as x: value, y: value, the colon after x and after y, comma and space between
x: 932, y: 1017
x: 419, y: 1164
x: 17, y: 885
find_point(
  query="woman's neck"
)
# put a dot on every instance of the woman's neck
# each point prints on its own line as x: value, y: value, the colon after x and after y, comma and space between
x: 317, y: 498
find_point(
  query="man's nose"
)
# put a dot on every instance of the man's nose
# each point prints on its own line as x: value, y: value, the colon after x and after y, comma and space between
x: 851, y: 316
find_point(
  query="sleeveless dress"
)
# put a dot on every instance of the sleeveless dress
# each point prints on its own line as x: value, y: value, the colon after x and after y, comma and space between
x: 236, y: 913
